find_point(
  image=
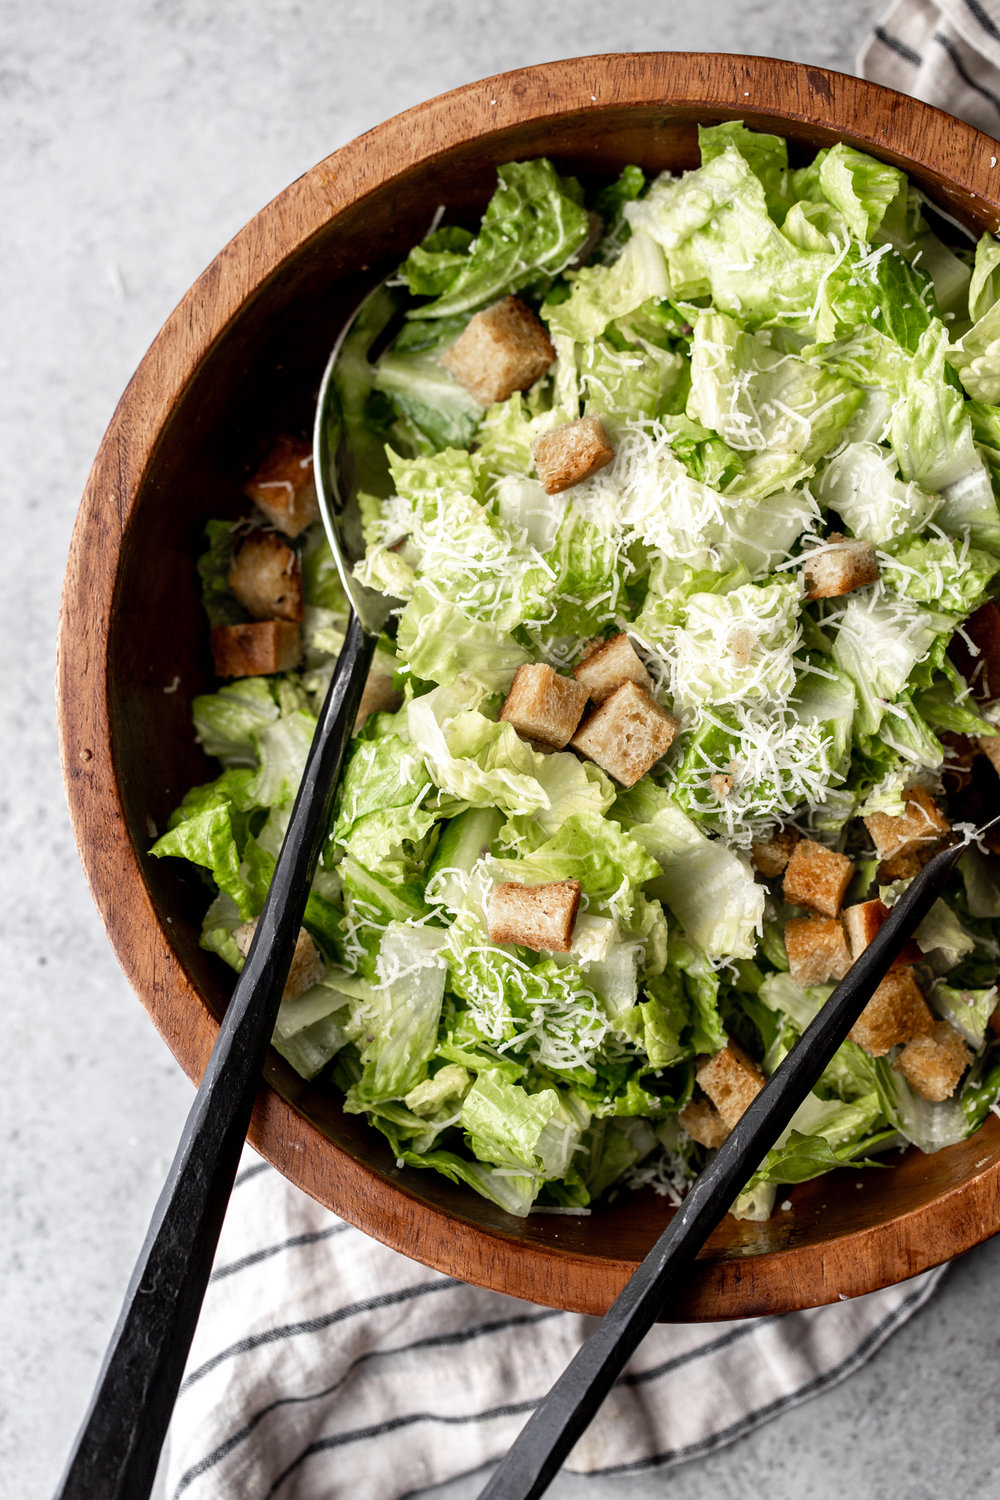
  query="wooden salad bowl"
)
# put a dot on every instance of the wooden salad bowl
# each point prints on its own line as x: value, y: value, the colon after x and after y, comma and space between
x: 238, y: 362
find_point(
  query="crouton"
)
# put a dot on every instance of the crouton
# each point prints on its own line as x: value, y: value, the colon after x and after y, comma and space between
x: 844, y: 565
x: 608, y: 664
x: 571, y: 453
x: 627, y: 734
x: 933, y: 1064
x: 817, y: 950
x: 721, y: 784
x: 732, y: 1081
x: 975, y: 650
x: 897, y: 1012
x: 770, y: 858
x: 503, y: 349
x: 817, y: 878
x: 307, y: 967
x: 863, y: 921
x: 252, y: 650
x: 535, y: 916
x: 285, y: 488
x: 989, y: 744
x: 544, y: 707
x: 266, y: 578
x: 702, y: 1122
x: 377, y: 696
x: 919, y: 828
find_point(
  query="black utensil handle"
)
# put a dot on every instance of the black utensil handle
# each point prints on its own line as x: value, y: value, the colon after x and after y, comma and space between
x: 117, y: 1450
x: 562, y: 1416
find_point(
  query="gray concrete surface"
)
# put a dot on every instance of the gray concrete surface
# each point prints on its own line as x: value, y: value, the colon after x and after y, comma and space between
x: 138, y: 137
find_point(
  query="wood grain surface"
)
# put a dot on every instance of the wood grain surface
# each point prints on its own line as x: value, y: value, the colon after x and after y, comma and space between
x: 238, y: 362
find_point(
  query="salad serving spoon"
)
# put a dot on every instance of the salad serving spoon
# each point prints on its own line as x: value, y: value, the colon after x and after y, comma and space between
x: 117, y: 1449
x: 116, y: 1452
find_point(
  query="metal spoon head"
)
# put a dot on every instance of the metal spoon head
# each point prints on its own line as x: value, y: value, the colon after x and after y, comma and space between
x: 347, y: 455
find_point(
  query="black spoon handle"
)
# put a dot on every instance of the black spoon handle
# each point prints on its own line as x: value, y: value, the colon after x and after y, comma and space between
x: 558, y: 1421
x: 117, y: 1450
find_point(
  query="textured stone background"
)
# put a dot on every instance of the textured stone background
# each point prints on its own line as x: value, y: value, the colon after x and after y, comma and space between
x: 137, y: 139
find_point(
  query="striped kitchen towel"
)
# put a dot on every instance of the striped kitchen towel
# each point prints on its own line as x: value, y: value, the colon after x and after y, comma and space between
x: 328, y: 1366
x: 946, y: 52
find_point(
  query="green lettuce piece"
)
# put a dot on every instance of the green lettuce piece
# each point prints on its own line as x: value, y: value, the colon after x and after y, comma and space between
x: 862, y: 485
x: 976, y: 357
x: 600, y: 294
x: 403, y: 1010
x: 984, y: 284
x: 738, y: 645
x: 207, y: 840
x: 953, y: 577
x: 766, y: 156
x: 968, y: 1011
x: 440, y: 411
x: 432, y: 266
x: 982, y: 888
x: 282, y: 748
x: 514, y: 1192
x: 882, y: 290
x: 928, y: 1126
x: 227, y: 721
x: 762, y: 401
x: 858, y: 185
x: 441, y: 643
x: 380, y: 800
x: 879, y: 640
x: 486, y: 764
x: 463, y: 842
x: 509, y: 1127
x: 220, y: 603
x: 943, y: 938
x: 708, y: 887
x: 638, y: 378
x: 533, y: 226
x: 714, y: 227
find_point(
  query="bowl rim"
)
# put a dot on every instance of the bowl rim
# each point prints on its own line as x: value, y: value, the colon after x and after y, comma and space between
x: 894, y: 127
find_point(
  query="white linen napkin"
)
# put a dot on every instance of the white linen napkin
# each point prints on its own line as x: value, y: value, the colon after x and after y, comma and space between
x: 327, y: 1366
x: 946, y: 52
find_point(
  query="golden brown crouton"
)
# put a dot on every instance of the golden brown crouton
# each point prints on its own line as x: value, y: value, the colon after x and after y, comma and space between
x: 933, y: 1064
x: 989, y: 744
x: 307, y: 966
x: 378, y: 696
x: 608, y: 664
x: 535, y: 916
x: 771, y: 857
x: 817, y: 878
x: 252, y: 650
x: 571, y: 453
x: 862, y: 922
x: 721, y: 784
x: 732, y: 1081
x: 840, y: 568
x: 543, y: 706
x: 284, y: 486
x: 266, y: 578
x: 975, y: 650
x: 897, y: 1012
x: 501, y: 350
x: 817, y: 950
x: 627, y: 734
x: 917, y: 829
x: 702, y: 1122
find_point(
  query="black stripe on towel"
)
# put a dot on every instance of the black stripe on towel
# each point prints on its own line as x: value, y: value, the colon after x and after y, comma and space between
x: 947, y: 45
x: 433, y: 1341
x: 985, y: 21
x: 315, y: 1325
x: 900, y: 48
x: 256, y: 1256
